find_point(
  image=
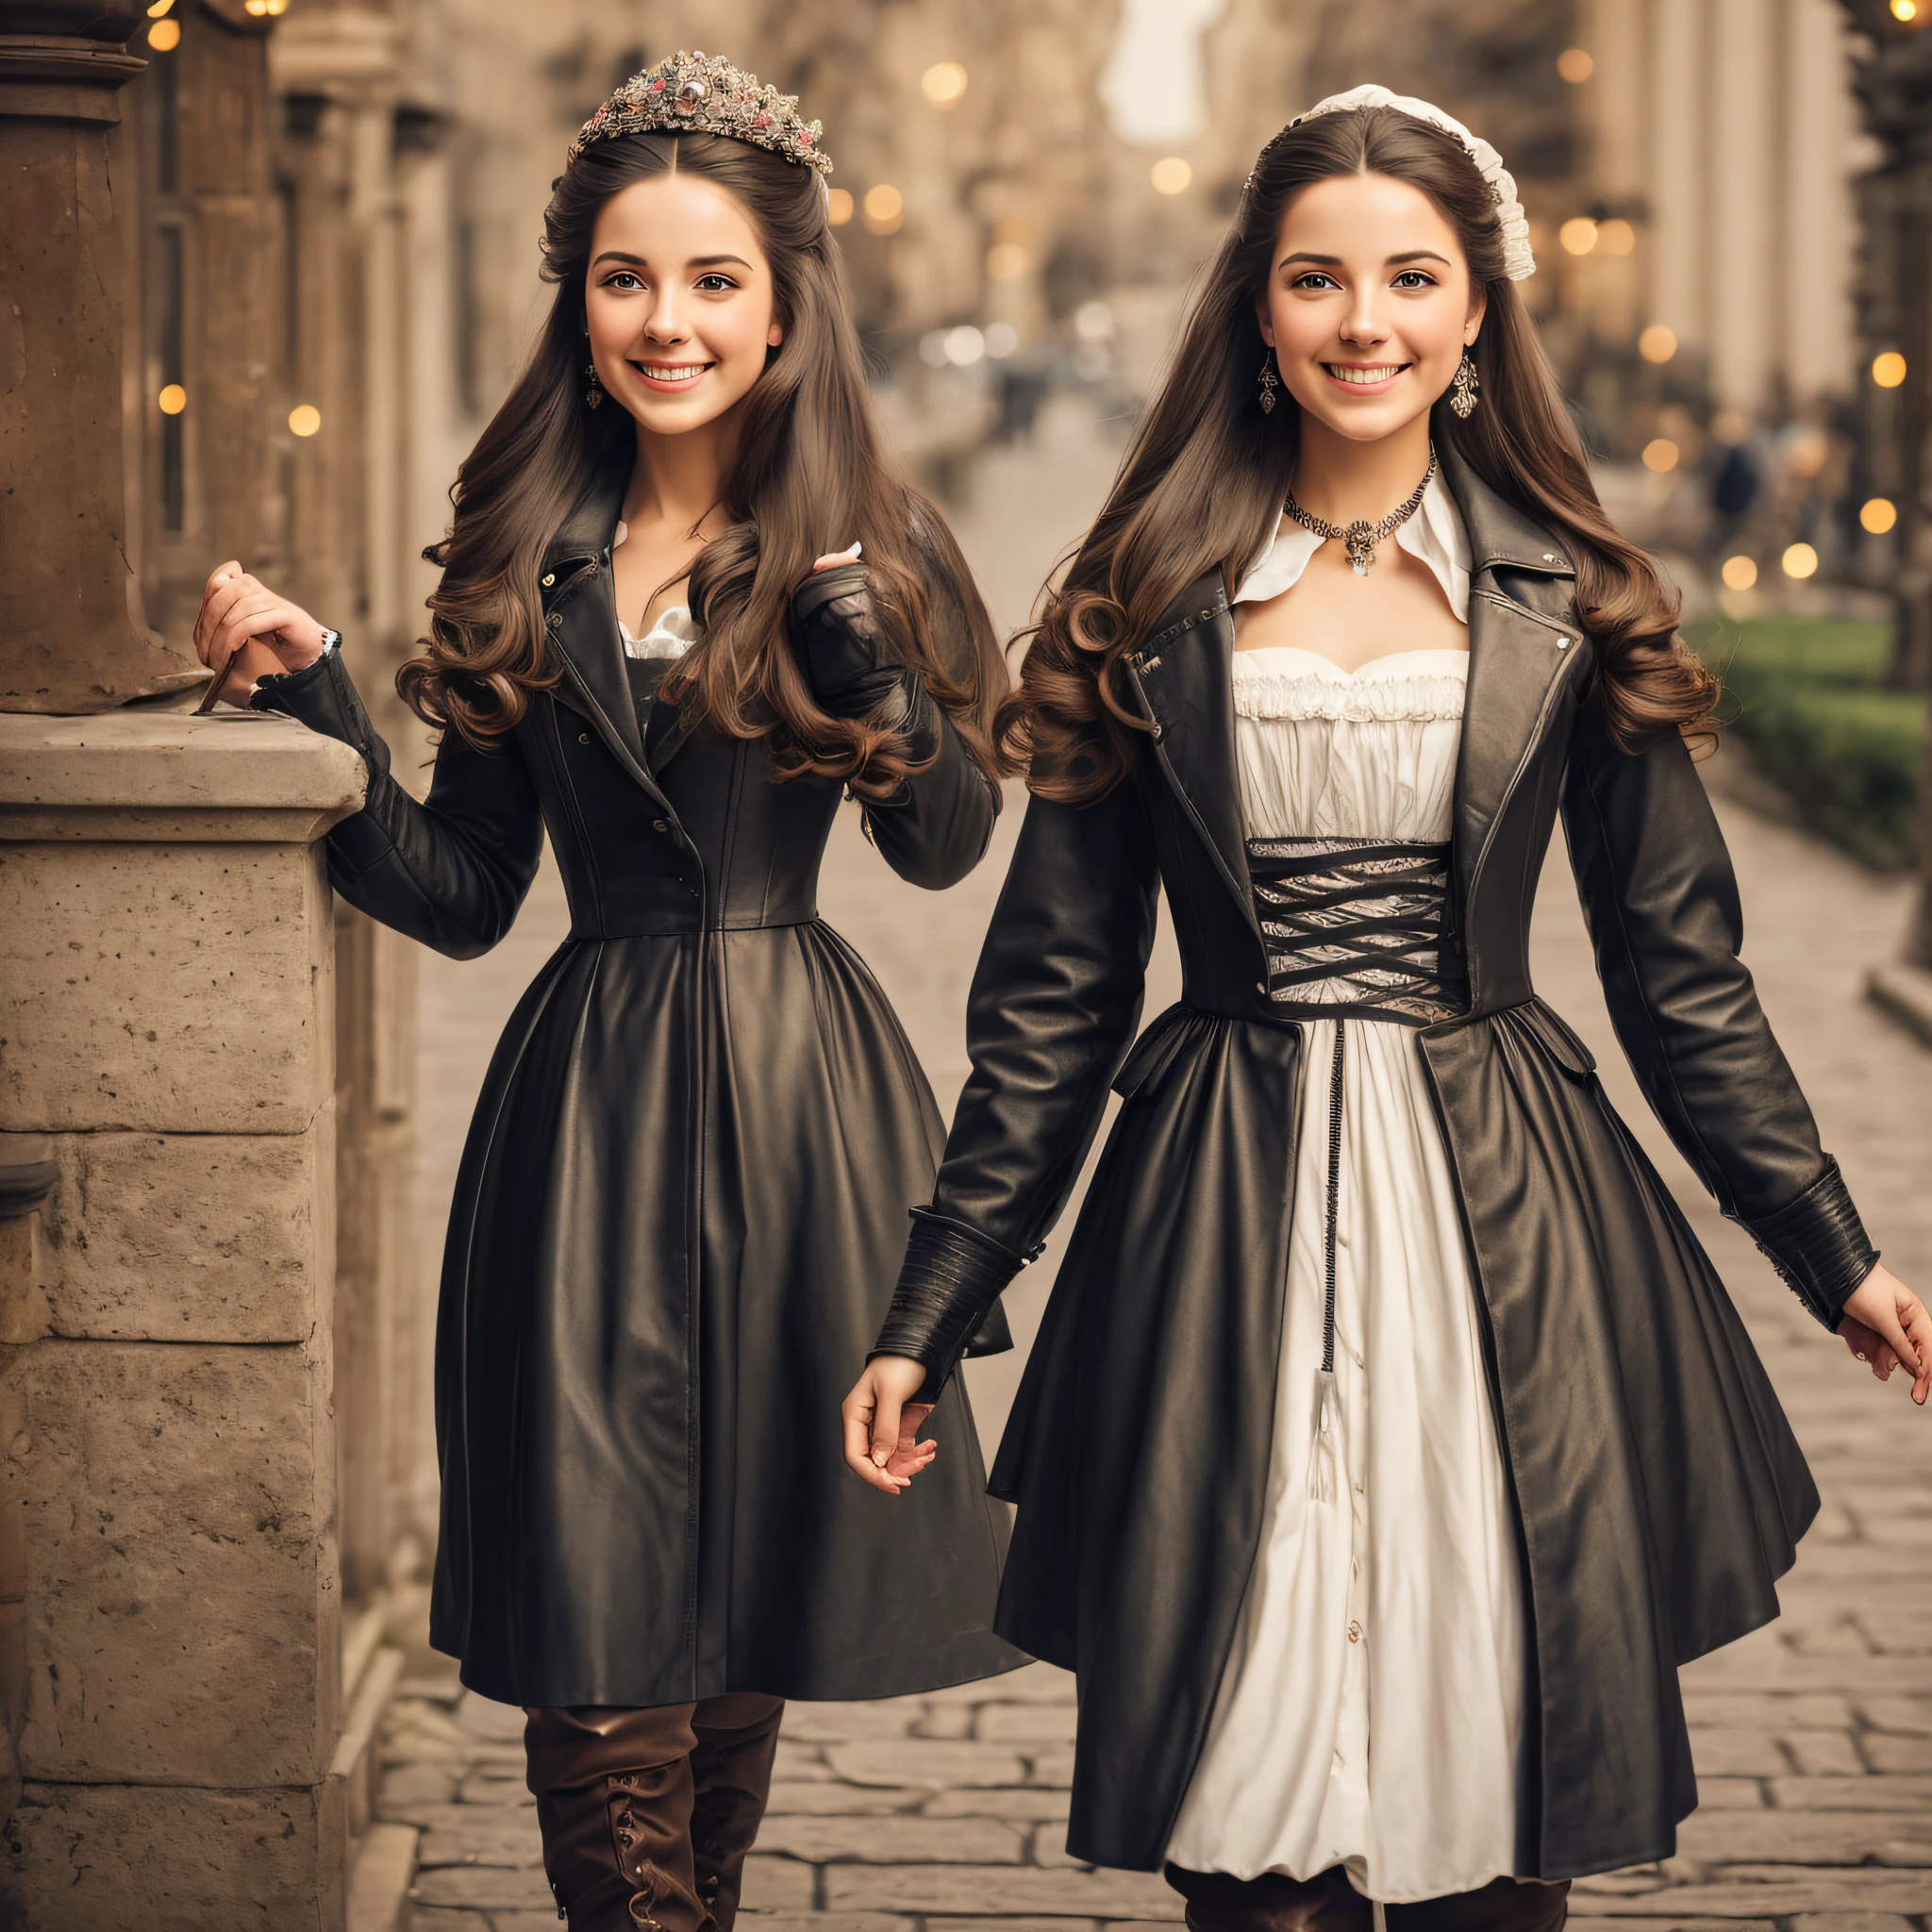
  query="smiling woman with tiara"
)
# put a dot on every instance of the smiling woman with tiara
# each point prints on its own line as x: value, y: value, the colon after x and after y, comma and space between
x: 687, y: 603
x: 1389, y: 1440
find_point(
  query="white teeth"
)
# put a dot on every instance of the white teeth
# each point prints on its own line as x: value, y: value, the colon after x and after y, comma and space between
x: 1380, y: 373
x: 682, y: 372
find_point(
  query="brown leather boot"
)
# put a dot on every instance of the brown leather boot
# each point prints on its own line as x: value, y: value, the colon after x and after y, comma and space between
x: 1507, y: 1905
x: 613, y: 1790
x: 731, y: 1769
x: 1271, y: 1903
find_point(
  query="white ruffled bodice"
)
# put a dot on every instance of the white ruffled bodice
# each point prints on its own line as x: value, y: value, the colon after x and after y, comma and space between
x: 1326, y: 753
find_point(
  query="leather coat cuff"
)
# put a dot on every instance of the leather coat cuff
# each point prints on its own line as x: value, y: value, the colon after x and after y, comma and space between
x: 1819, y: 1244
x: 323, y: 696
x: 948, y: 1283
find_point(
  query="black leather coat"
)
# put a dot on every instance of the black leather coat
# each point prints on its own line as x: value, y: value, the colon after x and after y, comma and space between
x: 1659, y: 1490
x: 684, y: 1193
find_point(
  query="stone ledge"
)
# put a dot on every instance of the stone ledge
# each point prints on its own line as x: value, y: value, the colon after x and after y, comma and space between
x: 1905, y: 993
x: 248, y: 776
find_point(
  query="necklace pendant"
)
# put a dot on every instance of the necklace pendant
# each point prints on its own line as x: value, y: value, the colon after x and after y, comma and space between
x: 1359, y: 541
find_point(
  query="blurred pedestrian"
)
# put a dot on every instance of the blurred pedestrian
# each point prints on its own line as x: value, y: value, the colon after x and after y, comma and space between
x: 1389, y: 1440
x: 684, y: 1188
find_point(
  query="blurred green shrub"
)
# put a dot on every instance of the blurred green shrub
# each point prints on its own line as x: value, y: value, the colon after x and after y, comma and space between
x: 1807, y: 698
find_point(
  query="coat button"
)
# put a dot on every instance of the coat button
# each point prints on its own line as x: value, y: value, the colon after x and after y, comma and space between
x: 660, y: 824
x: 583, y: 738
x: 549, y: 578
x: 1562, y: 643
x: 1262, y: 987
x: 1354, y: 1631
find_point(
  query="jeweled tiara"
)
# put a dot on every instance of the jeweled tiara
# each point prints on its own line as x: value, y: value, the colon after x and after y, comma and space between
x: 699, y: 93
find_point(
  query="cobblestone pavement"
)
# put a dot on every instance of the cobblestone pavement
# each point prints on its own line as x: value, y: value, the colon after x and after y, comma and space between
x: 1813, y: 1737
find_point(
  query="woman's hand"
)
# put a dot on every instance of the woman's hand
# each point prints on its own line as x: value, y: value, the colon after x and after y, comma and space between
x: 244, y: 627
x: 882, y: 1424
x: 837, y: 557
x: 1885, y: 1324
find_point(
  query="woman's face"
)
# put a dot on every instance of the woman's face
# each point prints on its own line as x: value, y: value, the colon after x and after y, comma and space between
x: 1369, y: 304
x: 679, y: 302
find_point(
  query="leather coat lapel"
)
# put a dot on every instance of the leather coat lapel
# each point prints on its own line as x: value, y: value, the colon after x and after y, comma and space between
x: 1185, y: 676
x: 1518, y: 653
x: 581, y: 612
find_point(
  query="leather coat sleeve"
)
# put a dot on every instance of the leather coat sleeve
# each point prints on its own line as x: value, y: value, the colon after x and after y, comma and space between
x: 1661, y: 903
x: 451, y: 870
x: 935, y: 828
x: 1054, y: 1004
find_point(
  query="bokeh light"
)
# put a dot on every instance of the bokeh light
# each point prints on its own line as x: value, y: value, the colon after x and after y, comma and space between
x: 1006, y: 261
x: 1660, y: 453
x: 965, y: 345
x: 1657, y: 343
x: 839, y: 207
x: 1616, y: 236
x: 1093, y: 322
x: 172, y: 400
x: 1171, y: 174
x: 1577, y: 234
x: 944, y: 83
x: 304, y: 419
x: 1575, y: 64
x: 161, y: 7
x: 1800, y: 561
x: 1889, y: 370
x: 1001, y: 339
x: 1906, y: 10
x: 885, y: 208
x: 1738, y: 574
x: 1878, y: 515
x: 164, y: 36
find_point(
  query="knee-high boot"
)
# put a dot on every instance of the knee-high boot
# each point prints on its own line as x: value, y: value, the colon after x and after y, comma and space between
x: 1505, y: 1905
x: 614, y: 1790
x: 731, y: 1769
x: 1271, y: 1903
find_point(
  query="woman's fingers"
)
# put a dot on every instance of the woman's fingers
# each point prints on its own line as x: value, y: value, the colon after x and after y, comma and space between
x: 1870, y: 1348
x: 224, y: 588
x: 258, y: 614
x: 1917, y: 1324
x: 909, y: 1454
x: 859, y: 1410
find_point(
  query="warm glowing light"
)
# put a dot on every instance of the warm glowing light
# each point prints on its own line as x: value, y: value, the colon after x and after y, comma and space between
x: 159, y: 8
x: 1660, y: 453
x: 304, y: 419
x: 1001, y: 339
x: 839, y: 207
x: 1170, y: 174
x: 944, y: 83
x: 1807, y: 453
x: 964, y: 346
x: 885, y: 208
x: 1879, y: 515
x: 164, y: 36
x: 1906, y: 10
x: 1575, y: 66
x: 1005, y: 261
x: 1657, y: 343
x: 1799, y: 560
x: 1889, y: 370
x: 1616, y: 236
x: 1738, y: 573
x: 172, y: 400
x: 258, y: 7
x: 1577, y: 234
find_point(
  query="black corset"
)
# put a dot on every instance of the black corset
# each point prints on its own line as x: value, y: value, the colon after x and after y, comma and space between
x: 1354, y: 928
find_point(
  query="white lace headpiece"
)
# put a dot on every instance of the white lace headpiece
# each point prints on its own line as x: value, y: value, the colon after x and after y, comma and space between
x: 1518, y: 262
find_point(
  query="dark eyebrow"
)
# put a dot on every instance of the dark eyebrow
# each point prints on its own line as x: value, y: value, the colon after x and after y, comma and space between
x: 697, y: 261
x: 1335, y: 260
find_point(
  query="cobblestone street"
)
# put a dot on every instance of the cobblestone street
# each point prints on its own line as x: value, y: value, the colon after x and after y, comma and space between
x: 1813, y: 1737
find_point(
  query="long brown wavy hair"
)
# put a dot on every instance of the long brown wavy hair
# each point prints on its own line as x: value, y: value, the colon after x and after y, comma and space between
x: 1206, y: 476
x: 812, y: 471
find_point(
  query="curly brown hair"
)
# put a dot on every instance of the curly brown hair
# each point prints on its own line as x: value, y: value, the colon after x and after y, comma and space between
x: 812, y: 472
x: 1205, y: 478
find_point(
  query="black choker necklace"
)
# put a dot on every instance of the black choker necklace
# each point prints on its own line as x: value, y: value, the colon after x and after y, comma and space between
x: 1359, y: 538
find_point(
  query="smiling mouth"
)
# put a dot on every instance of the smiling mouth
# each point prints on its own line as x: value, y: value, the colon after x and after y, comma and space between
x: 1365, y: 377
x: 672, y: 374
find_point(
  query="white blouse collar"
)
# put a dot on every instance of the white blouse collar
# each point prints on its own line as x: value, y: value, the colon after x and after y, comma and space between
x: 1434, y: 535
x: 672, y: 636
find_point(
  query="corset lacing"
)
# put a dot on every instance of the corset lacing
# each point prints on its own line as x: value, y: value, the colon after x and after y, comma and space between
x: 1353, y: 930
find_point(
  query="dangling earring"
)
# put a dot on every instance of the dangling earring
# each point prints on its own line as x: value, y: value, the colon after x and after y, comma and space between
x: 1270, y: 381
x: 594, y: 396
x: 1462, y: 386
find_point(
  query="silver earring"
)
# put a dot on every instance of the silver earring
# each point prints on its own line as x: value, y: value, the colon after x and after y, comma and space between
x: 1462, y: 388
x: 594, y: 396
x: 1270, y: 382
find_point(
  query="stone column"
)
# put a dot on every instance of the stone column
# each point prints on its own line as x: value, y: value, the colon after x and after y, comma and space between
x: 1744, y: 205
x: 1679, y: 280
x: 73, y: 637
x: 166, y: 1323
